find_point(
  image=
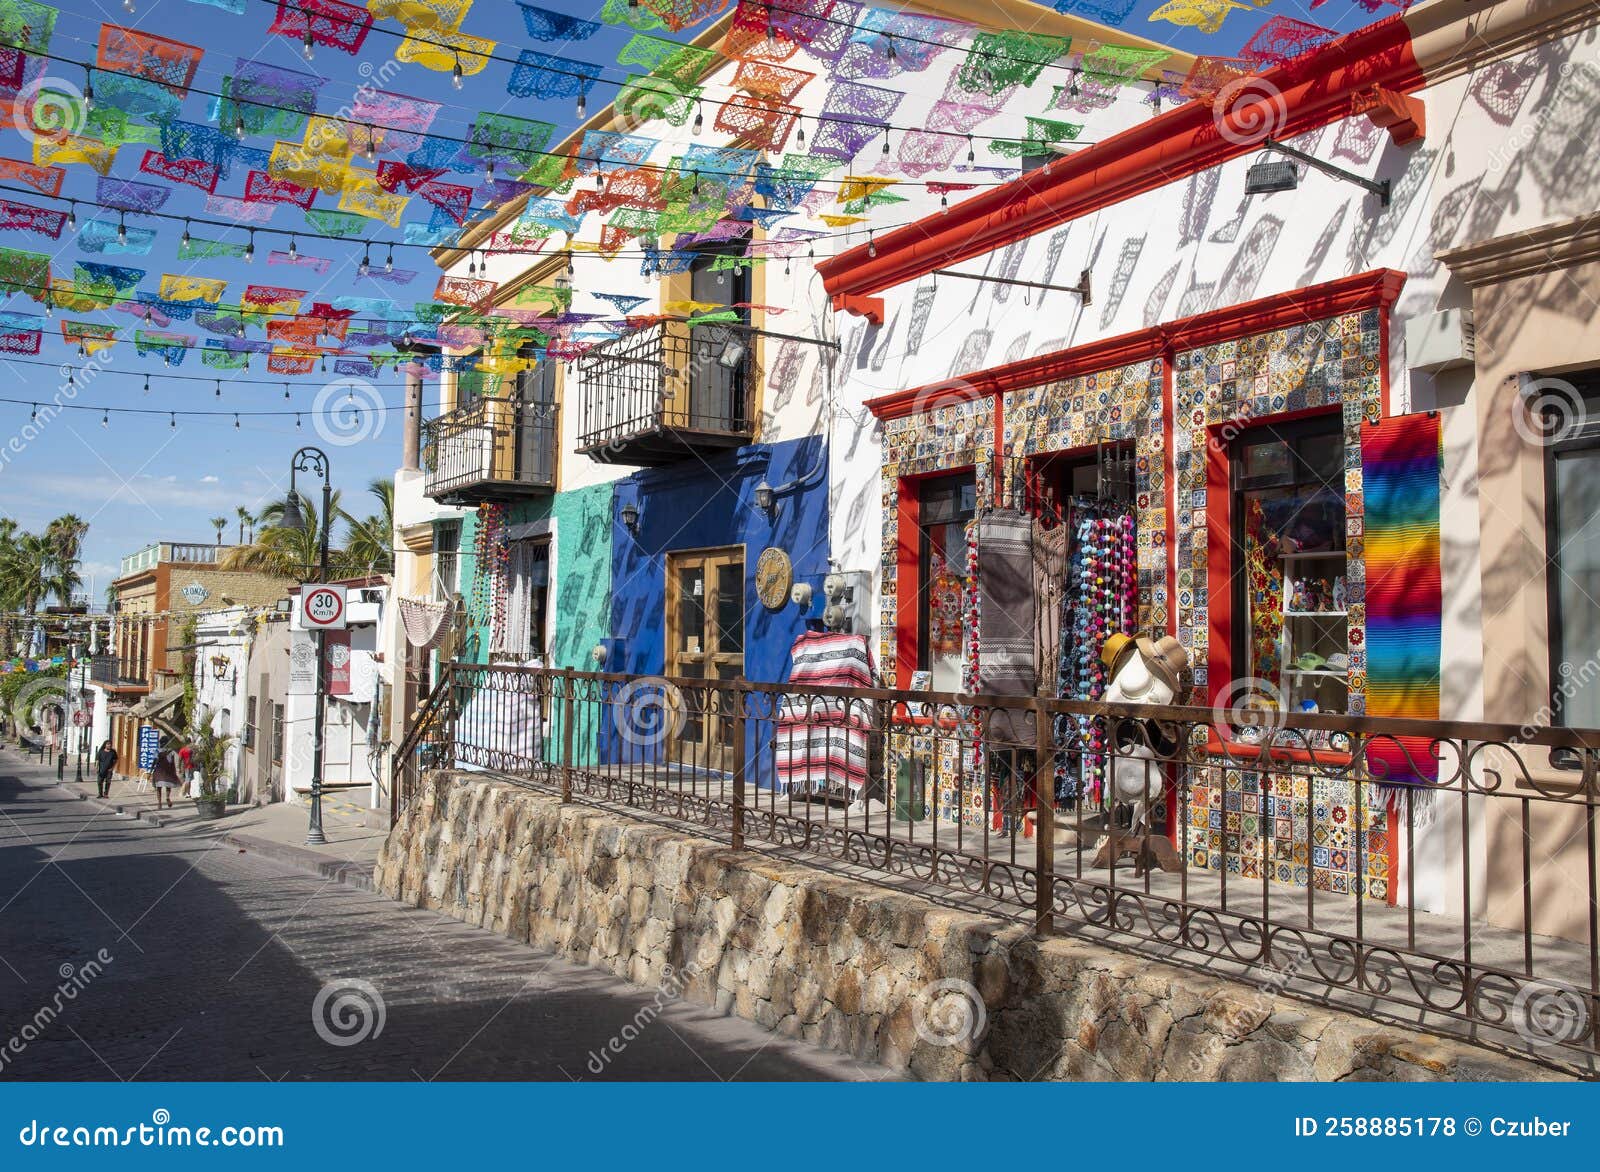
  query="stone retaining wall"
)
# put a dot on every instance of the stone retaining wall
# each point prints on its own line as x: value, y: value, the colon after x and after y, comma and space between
x: 887, y: 977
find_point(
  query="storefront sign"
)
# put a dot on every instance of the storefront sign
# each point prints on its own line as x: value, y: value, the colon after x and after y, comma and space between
x: 149, y: 743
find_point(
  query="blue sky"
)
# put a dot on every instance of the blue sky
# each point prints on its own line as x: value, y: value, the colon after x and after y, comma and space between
x: 141, y: 479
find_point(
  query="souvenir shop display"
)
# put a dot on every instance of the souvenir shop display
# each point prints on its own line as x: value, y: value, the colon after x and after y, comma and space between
x: 1143, y: 671
x: 821, y: 746
x: 1100, y: 600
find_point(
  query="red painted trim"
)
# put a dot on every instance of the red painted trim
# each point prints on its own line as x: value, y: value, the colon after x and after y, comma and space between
x: 1375, y: 288
x: 908, y: 581
x: 1103, y: 354
x: 1219, y: 555
x: 1296, y: 97
x: 870, y: 308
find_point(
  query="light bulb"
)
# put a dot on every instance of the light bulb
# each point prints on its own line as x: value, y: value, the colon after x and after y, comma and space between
x: 583, y: 107
x: 72, y: 217
x: 388, y: 261
x: 365, y: 266
x: 183, y: 241
x: 699, y: 122
x: 456, y: 74
x: 105, y: 418
x: 250, y: 249
x: 800, y: 132
x: 308, y: 47
x: 127, y: 5
x: 872, y: 246
x: 122, y: 231
x: 238, y: 126
x: 294, y: 252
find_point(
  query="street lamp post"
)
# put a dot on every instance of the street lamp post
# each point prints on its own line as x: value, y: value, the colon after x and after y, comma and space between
x: 316, y: 461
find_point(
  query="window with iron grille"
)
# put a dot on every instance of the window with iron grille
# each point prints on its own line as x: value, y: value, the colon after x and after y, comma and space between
x: 277, y: 734
x: 446, y: 553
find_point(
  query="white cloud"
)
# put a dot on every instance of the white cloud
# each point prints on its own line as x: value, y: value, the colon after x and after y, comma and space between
x: 210, y: 480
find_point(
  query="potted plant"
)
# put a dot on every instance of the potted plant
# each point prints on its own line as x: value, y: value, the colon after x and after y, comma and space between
x: 211, y: 759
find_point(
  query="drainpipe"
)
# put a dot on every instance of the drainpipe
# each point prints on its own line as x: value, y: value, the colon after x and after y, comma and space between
x: 411, y: 437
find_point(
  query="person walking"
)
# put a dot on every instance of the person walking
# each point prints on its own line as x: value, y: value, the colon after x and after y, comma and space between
x: 164, y: 775
x: 104, y: 762
x: 186, y: 767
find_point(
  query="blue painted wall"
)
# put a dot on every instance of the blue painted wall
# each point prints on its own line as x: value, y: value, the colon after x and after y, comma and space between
x: 701, y: 505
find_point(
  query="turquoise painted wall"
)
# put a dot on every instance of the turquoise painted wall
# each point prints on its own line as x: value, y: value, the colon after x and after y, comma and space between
x: 581, y: 603
x: 582, y: 597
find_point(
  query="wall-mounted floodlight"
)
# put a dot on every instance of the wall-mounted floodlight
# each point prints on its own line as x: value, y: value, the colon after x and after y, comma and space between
x: 1267, y: 176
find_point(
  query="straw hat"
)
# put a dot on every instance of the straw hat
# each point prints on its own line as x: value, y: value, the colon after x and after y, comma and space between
x: 1165, y: 656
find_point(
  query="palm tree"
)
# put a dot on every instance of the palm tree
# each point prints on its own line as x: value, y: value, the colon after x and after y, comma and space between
x: 246, y: 517
x: 34, y: 562
x: 369, y: 542
x: 65, y: 535
x: 219, y: 524
x: 283, y: 552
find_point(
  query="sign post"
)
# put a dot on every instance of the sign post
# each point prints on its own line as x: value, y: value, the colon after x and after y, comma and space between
x: 322, y: 609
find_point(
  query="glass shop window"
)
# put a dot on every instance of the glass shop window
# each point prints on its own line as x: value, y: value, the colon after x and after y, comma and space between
x: 947, y: 505
x: 1291, y: 595
x: 1572, y: 541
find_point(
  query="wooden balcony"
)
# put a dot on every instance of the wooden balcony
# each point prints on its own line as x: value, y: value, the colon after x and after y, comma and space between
x: 668, y: 391
x: 494, y: 450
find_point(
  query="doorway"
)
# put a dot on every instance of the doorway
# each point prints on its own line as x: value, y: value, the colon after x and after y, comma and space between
x: 705, y: 641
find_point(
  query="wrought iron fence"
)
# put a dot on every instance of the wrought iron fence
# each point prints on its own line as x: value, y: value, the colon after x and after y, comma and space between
x: 1435, y: 873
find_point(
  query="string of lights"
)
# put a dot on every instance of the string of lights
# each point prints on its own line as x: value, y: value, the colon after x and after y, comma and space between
x: 370, y: 128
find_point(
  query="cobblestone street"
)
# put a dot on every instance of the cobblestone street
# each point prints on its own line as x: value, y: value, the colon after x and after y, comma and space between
x: 217, y: 958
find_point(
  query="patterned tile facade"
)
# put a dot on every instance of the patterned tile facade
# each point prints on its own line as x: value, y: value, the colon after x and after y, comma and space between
x: 1109, y: 406
x: 950, y: 436
x: 1302, y: 829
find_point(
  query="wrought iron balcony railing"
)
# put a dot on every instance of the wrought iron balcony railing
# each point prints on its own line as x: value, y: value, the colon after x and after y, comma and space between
x: 662, y: 393
x: 494, y: 450
x: 111, y: 672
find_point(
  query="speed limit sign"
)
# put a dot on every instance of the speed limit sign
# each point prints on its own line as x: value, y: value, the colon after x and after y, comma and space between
x: 322, y: 607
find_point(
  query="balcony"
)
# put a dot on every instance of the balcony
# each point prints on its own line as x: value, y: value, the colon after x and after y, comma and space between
x: 668, y: 391
x: 110, y: 672
x: 494, y: 450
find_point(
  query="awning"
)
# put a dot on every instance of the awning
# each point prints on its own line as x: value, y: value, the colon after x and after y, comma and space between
x: 157, y: 702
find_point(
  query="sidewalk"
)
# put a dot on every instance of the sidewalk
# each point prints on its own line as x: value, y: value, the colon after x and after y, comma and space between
x: 275, y: 831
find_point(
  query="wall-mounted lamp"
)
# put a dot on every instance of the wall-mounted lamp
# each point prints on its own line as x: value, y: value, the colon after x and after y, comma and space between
x: 1266, y: 176
x: 630, y: 518
x: 600, y: 654
x: 765, y: 501
x: 732, y: 354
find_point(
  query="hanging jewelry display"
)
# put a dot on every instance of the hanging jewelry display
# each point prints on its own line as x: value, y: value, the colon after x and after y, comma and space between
x: 1101, y: 599
x: 489, y: 573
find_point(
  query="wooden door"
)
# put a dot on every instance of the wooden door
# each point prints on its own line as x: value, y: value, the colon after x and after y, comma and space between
x: 705, y: 641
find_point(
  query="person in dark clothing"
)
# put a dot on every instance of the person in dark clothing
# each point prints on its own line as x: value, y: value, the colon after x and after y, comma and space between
x: 104, y: 762
x: 164, y: 776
